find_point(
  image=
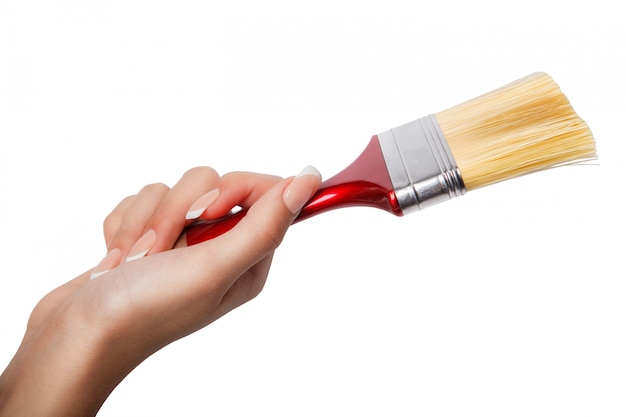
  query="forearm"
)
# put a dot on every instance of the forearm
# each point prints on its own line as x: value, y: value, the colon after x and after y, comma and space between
x: 56, y: 375
x: 37, y: 384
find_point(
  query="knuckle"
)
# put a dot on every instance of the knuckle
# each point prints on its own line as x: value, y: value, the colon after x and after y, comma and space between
x: 109, y: 226
x: 110, y: 223
x: 154, y: 188
x: 233, y: 175
x: 201, y: 172
x: 113, y: 220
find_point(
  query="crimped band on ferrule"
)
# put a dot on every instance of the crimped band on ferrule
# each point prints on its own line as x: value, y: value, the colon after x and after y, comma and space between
x: 422, y: 169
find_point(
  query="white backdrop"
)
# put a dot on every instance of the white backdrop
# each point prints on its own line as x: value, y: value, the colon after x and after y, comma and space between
x: 508, y: 301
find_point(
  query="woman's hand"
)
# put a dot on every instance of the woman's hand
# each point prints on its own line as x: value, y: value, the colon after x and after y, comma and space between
x: 84, y: 337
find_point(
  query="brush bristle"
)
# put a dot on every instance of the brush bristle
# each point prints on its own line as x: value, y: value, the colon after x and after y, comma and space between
x: 526, y: 126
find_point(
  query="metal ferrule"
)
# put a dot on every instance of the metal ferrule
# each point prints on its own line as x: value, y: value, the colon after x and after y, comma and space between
x: 422, y: 169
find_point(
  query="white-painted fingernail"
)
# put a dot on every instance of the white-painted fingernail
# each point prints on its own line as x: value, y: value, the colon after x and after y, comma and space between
x: 142, y: 246
x: 301, y: 189
x: 202, y: 204
x: 110, y: 261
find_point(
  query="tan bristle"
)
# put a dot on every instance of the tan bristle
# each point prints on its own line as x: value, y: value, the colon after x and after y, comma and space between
x: 526, y: 126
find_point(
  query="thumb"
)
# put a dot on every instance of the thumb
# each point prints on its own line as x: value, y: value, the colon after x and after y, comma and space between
x: 262, y: 229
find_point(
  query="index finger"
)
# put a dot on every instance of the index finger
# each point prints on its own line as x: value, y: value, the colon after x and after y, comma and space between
x: 241, y: 189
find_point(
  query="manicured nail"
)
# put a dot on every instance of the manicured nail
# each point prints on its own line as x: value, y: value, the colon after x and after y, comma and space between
x: 110, y: 261
x: 142, y: 246
x: 301, y: 189
x: 202, y: 204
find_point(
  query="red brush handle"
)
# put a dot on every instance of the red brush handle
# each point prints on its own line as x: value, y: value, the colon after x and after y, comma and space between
x: 365, y: 182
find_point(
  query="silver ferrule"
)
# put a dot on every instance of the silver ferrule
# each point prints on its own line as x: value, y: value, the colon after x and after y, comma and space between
x: 422, y: 169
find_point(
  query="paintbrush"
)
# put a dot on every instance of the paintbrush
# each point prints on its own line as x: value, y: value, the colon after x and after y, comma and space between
x: 526, y: 126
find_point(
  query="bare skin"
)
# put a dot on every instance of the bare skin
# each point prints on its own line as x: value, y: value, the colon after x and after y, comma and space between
x: 84, y: 337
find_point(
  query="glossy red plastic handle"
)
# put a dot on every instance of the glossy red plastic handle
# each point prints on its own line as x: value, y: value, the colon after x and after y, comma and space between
x: 365, y: 182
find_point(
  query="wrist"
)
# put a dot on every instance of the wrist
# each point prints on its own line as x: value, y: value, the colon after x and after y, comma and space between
x: 56, y: 373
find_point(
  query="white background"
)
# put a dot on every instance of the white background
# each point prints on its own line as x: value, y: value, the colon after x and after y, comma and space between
x: 507, y: 302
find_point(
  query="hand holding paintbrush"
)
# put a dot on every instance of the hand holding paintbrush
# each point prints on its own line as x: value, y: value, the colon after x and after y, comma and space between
x: 86, y: 335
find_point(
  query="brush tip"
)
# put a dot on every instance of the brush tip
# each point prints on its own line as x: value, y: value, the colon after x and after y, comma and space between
x: 525, y: 126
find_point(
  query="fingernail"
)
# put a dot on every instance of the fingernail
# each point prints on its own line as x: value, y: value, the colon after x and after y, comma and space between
x: 202, y: 204
x: 110, y: 261
x: 301, y: 189
x: 142, y: 246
